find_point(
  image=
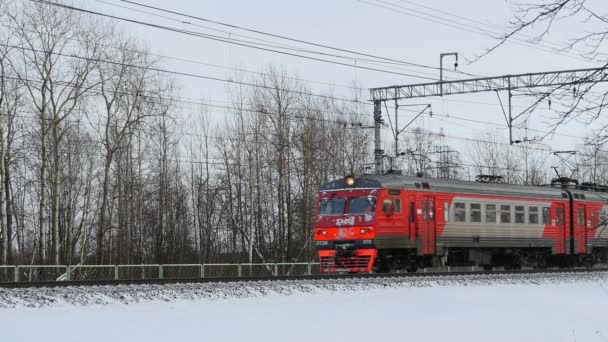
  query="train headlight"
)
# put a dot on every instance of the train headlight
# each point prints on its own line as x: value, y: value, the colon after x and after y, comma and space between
x: 349, y: 180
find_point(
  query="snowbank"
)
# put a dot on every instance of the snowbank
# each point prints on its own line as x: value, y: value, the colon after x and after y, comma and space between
x: 565, y: 307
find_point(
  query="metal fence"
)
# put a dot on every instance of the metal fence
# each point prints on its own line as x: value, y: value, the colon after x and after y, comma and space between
x: 22, y: 273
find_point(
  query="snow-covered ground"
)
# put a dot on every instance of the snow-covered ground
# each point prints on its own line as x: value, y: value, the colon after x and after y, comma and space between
x: 484, y: 308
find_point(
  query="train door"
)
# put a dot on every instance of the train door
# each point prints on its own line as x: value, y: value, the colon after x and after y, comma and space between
x: 580, y: 228
x: 393, y: 216
x: 560, y: 229
x: 427, y: 226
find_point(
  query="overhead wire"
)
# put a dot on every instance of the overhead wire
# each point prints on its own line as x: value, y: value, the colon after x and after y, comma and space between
x: 469, y: 28
x: 276, y: 35
x: 221, y: 39
x: 376, y: 62
x: 530, y: 39
x: 186, y: 74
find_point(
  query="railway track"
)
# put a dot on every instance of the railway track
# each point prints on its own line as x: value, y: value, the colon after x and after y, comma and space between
x: 75, y: 283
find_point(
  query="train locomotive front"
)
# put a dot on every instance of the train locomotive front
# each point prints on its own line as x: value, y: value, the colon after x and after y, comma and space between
x: 347, y: 214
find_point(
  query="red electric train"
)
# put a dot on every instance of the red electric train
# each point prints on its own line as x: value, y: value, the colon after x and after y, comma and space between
x: 389, y: 222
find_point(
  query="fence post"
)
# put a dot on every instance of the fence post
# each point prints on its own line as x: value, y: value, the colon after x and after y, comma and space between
x: 68, y: 276
x: 309, y: 269
x: 239, y: 273
x: 115, y: 272
x: 160, y: 272
x: 202, y: 270
x: 16, y: 274
x: 276, y: 269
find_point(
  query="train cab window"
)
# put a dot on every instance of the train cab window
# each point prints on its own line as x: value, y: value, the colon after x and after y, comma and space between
x: 581, y: 216
x: 490, y: 213
x: 332, y: 206
x: 460, y: 212
x: 391, y: 205
x: 505, y: 214
x: 362, y: 205
x: 446, y: 211
x: 520, y: 214
x: 475, y: 212
x: 593, y: 218
x: 533, y: 215
x: 546, y: 215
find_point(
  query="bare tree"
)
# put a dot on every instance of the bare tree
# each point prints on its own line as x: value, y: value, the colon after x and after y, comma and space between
x: 585, y: 100
x: 10, y: 103
x: 56, y: 84
x: 128, y: 99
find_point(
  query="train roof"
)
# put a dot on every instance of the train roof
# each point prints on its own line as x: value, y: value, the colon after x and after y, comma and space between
x: 401, y: 182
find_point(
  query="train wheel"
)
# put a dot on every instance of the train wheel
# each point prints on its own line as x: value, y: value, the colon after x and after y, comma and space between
x: 588, y: 261
x: 411, y: 268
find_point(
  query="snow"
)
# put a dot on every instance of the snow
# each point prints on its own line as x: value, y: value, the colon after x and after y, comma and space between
x: 563, y: 307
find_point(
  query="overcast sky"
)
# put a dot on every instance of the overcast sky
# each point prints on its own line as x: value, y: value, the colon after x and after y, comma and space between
x: 410, y: 32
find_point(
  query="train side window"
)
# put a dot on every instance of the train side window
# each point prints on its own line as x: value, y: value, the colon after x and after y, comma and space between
x: 391, y: 204
x: 593, y: 216
x: 460, y: 212
x: 412, y: 212
x: 505, y: 214
x: 446, y: 211
x: 425, y: 210
x: 581, y: 216
x: 520, y: 214
x: 397, y: 206
x: 603, y: 216
x: 546, y: 215
x: 490, y: 213
x: 559, y: 216
x: 431, y: 212
x: 476, y: 212
x: 533, y: 215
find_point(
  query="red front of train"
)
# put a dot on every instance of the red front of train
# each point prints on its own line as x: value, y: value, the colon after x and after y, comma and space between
x: 347, y: 221
x: 344, y: 231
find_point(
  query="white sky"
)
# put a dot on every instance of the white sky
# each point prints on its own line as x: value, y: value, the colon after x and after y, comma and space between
x: 355, y: 25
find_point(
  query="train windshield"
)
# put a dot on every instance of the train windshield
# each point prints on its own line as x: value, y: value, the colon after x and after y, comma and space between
x: 332, y: 206
x: 362, y: 205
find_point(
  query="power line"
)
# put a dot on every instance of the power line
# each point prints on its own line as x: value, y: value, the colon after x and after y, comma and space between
x: 277, y: 36
x: 220, y: 39
x: 469, y: 28
x: 155, y: 98
x: 273, y: 44
x: 479, y: 22
x: 239, y: 69
x: 502, y: 125
x: 178, y: 73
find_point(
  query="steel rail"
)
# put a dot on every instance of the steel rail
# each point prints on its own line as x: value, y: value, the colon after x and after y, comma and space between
x: 40, y: 284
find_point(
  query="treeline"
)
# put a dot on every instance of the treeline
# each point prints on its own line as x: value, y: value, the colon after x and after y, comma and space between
x: 102, y: 162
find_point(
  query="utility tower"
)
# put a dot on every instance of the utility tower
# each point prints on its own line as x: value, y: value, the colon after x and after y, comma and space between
x: 446, y: 163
